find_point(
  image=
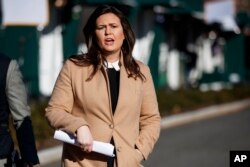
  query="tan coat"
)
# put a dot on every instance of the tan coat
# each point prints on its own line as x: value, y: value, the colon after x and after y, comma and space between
x: 76, y: 102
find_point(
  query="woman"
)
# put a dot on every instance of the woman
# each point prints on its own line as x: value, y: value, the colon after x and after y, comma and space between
x: 106, y: 95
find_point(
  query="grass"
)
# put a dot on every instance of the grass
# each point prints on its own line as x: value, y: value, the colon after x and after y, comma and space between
x: 170, y: 102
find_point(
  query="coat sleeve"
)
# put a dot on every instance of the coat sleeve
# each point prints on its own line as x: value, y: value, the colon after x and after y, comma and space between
x: 16, y: 94
x: 149, y: 117
x: 59, y: 109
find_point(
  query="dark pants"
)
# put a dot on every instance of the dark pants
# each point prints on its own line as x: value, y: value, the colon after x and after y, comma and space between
x: 111, y: 160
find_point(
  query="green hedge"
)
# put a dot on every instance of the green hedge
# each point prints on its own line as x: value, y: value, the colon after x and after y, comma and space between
x: 172, y: 102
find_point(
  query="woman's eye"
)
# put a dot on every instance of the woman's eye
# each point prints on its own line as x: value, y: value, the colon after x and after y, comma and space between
x: 100, y: 28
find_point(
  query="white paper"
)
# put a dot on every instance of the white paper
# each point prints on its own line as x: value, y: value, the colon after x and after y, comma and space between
x: 98, y: 146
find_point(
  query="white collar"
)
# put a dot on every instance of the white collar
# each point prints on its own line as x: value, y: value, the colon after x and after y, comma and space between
x: 114, y: 65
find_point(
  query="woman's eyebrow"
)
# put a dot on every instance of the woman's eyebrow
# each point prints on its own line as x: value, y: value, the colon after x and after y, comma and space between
x: 103, y: 24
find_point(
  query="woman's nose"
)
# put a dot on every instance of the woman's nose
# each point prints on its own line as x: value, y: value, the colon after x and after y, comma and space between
x: 107, y: 30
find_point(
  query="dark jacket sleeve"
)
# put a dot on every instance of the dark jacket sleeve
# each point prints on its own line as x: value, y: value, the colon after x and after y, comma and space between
x: 26, y: 142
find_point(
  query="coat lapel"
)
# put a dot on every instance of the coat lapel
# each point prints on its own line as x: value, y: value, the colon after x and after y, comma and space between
x: 127, y: 94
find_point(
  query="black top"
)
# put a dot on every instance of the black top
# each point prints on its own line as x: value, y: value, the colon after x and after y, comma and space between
x: 4, y: 106
x: 114, y: 82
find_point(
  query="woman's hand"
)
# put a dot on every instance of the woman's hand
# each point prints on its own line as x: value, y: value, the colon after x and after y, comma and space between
x: 84, y: 138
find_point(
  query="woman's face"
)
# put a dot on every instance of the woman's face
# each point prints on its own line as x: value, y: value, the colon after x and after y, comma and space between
x: 109, y: 33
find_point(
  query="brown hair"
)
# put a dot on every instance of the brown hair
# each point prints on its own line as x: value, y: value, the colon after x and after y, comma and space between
x: 93, y: 57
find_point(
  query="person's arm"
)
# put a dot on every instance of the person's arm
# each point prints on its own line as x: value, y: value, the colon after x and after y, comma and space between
x: 60, y: 106
x: 16, y: 94
x: 59, y: 109
x: 149, y: 117
x: 20, y: 111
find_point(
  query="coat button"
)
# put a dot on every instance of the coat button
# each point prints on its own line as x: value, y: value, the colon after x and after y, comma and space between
x: 119, y: 149
x: 111, y: 126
